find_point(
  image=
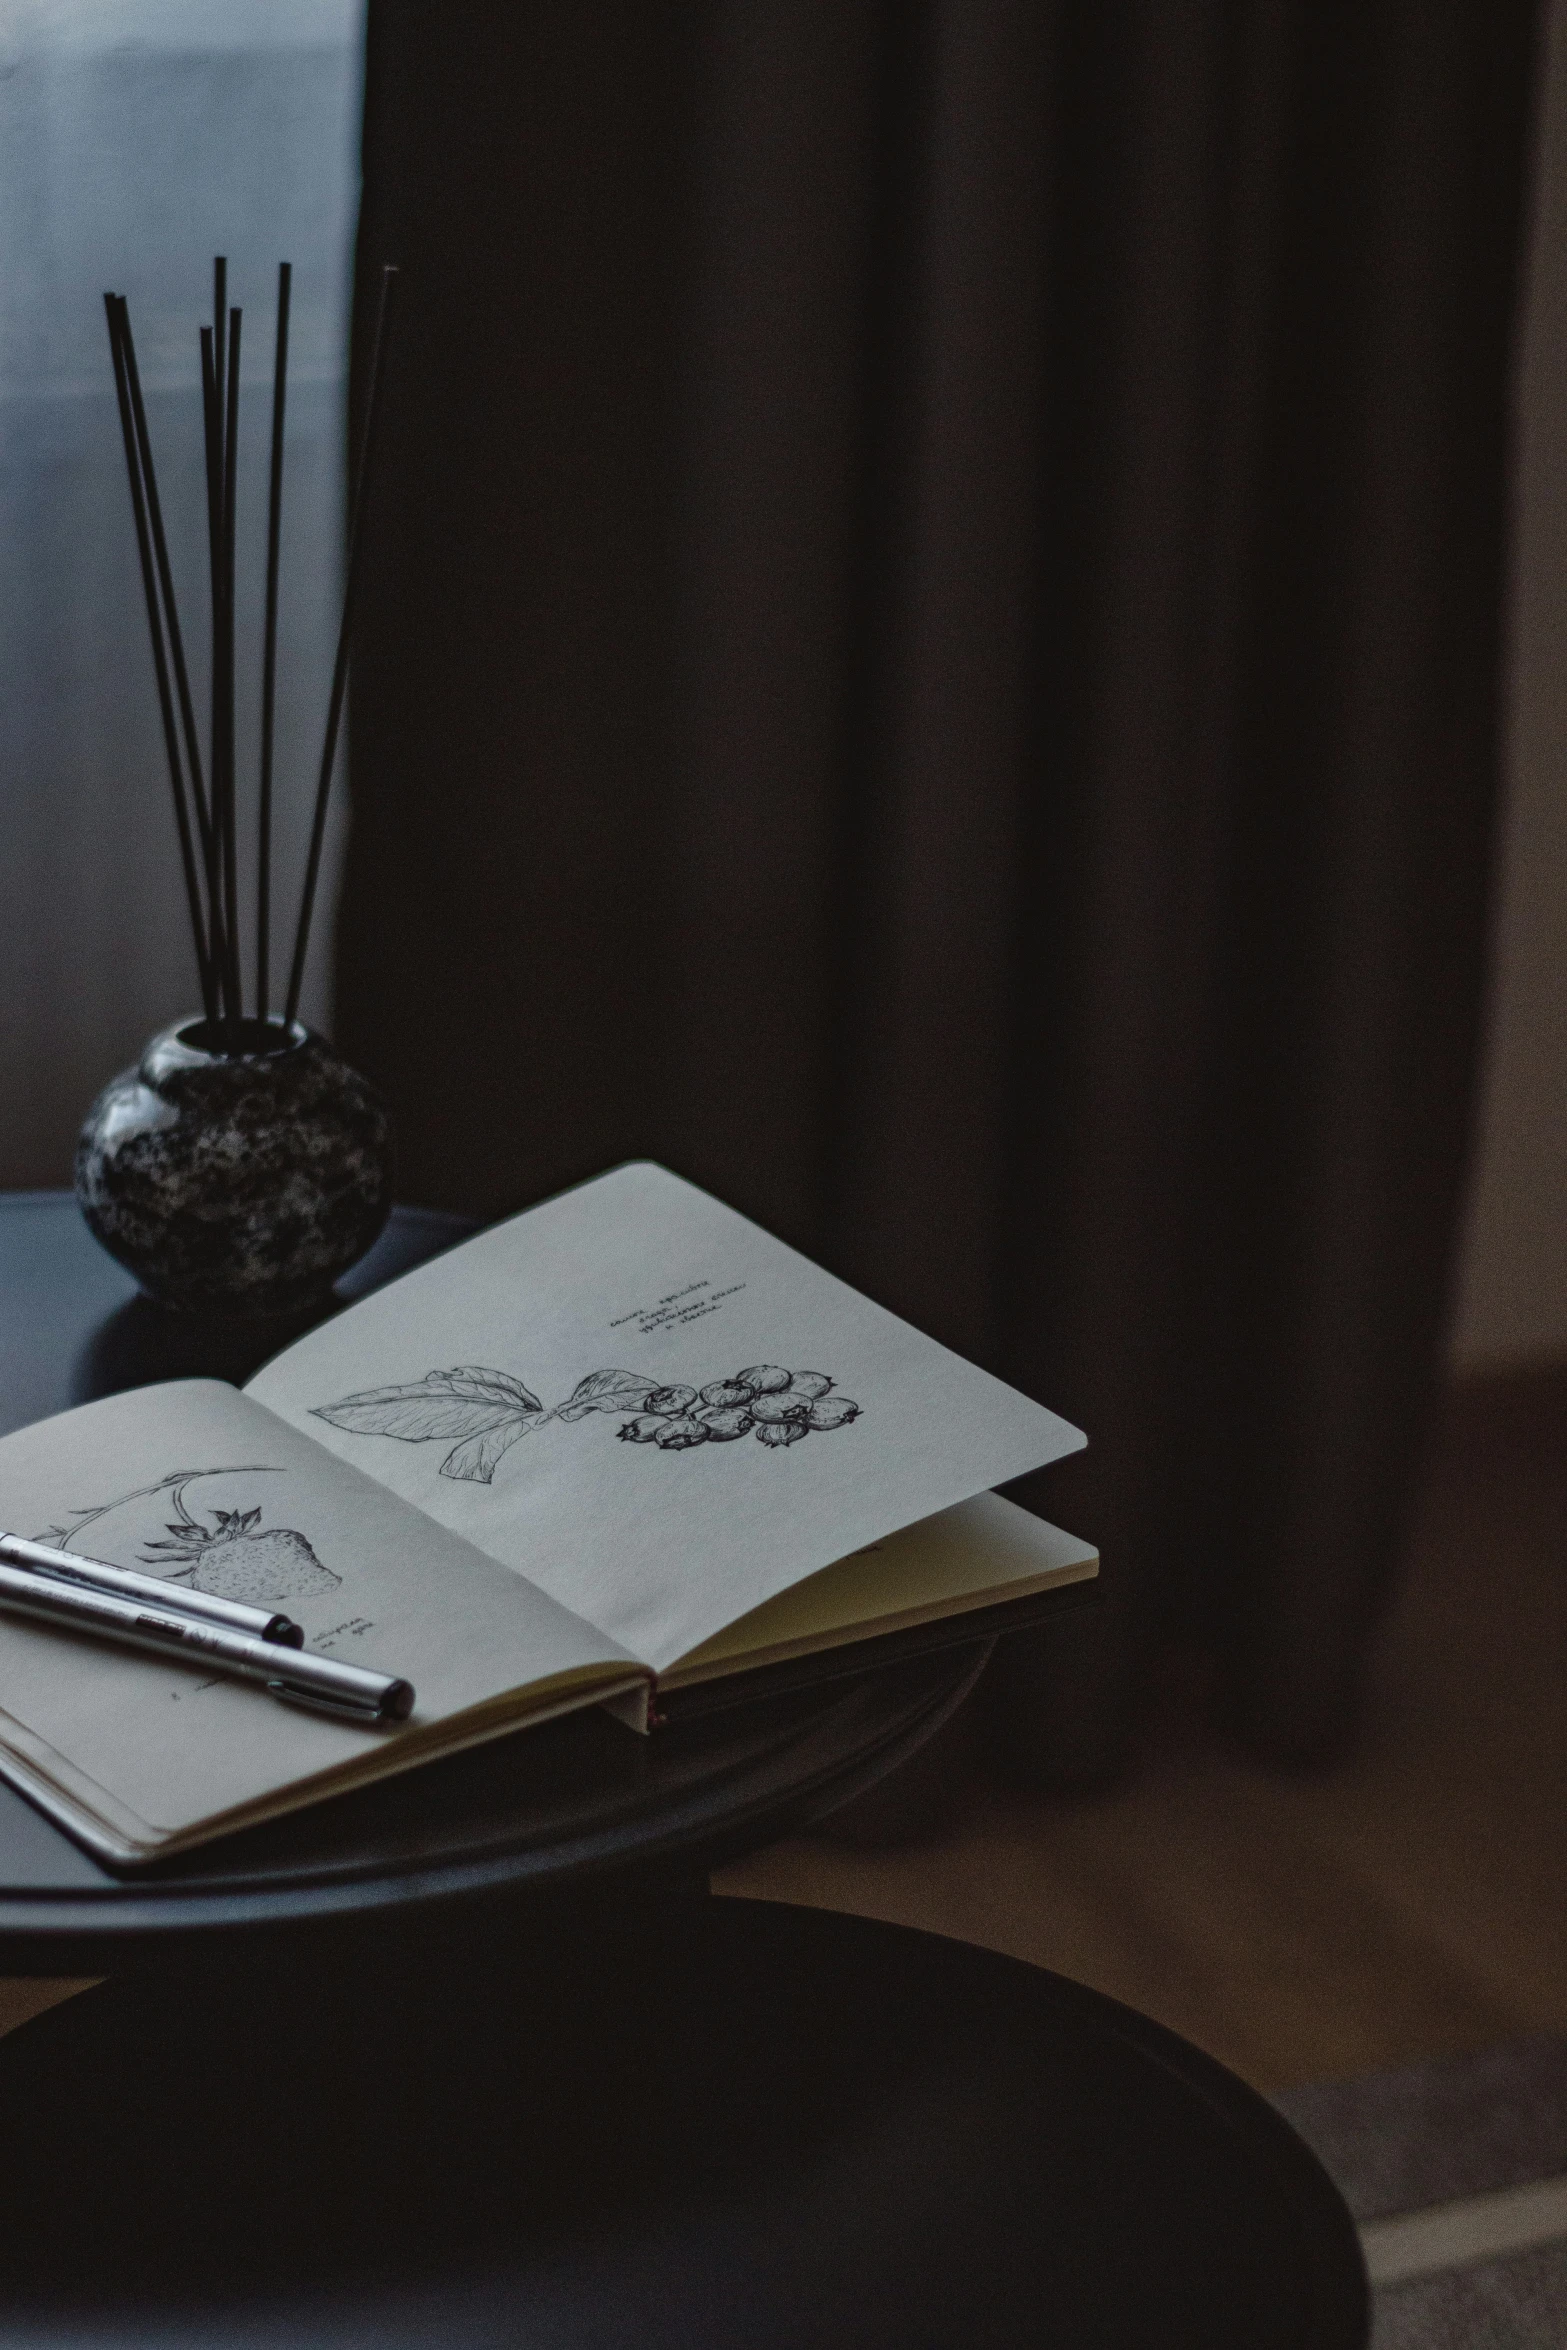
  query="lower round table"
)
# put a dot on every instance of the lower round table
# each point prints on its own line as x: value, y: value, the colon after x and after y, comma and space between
x: 470, y: 2059
x: 726, y: 2124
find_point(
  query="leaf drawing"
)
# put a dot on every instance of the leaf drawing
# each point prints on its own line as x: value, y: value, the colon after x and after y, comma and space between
x: 481, y: 1381
x: 443, y: 1404
x: 607, y: 1391
x: 479, y: 1411
x: 477, y: 1458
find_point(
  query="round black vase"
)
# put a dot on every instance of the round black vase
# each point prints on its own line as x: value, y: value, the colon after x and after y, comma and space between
x: 237, y: 1183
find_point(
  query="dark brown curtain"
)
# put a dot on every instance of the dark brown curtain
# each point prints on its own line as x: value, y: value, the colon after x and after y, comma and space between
x: 932, y: 661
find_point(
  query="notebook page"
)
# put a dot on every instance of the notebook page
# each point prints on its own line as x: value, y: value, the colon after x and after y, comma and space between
x: 193, y: 1482
x: 653, y: 1409
x: 978, y: 1553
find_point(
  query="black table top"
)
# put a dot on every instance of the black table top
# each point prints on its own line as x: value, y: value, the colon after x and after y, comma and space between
x: 552, y: 1810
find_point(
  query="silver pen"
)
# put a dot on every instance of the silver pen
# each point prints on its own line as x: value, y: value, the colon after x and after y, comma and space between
x: 63, y: 1566
x: 352, y: 1692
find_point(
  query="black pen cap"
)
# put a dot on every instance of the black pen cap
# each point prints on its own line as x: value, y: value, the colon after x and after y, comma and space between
x: 398, y: 1703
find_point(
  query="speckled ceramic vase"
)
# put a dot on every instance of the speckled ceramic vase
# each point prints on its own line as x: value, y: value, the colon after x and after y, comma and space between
x: 236, y: 1184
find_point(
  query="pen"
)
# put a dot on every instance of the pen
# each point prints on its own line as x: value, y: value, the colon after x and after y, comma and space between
x: 63, y: 1566
x: 352, y: 1692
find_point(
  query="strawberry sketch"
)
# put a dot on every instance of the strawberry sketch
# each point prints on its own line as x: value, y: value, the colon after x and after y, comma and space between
x: 487, y: 1411
x: 234, y: 1557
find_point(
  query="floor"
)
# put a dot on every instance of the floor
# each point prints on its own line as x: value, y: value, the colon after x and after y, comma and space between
x: 1409, y: 1903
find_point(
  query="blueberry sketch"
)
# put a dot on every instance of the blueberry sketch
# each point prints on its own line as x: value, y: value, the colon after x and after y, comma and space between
x: 235, y: 1557
x: 482, y: 1413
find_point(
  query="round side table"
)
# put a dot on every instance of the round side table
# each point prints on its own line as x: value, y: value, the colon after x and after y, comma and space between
x: 472, y: 2059
x: 565, y: 1810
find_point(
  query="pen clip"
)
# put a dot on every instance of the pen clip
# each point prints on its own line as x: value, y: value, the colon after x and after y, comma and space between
x: 346, y: 1709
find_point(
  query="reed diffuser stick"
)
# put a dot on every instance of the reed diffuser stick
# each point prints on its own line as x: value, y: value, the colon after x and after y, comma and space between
x: 269, y: 646
x: 340, y: 665
x: 209, y: 845
x: 159, y: 660
x: 221, y: 738
x: 212, y: 435
x: 220, y: 311
x: 230, y: 813
x: 171, y: 614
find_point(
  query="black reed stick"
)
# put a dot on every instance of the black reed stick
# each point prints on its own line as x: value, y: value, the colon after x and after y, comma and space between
x: 212, y: 432
x: 230, y: 822
x: 159, y: 660
x: 269, y: 645
x: 220, y: 311
x: 340, y: 665
x: 220, y: 792
x: 166, y: 581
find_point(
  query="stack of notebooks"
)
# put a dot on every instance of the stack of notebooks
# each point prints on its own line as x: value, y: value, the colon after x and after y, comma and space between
x: 620, y: 1447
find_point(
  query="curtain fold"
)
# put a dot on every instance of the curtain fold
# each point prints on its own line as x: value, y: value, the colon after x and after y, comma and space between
x: 933, y: 661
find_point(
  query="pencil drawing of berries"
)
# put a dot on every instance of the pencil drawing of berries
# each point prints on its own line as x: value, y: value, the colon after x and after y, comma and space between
x: 486, y: 1411
x: 724, y: 1422
x: 235, y: 1558
x: 774, y: 1409
x: 679, y: 1435
x: 832, y: 1411
x: 781, y: 1431
x: 671, y: 1400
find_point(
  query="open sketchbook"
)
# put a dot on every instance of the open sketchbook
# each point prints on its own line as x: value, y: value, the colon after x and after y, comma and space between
x: 620, y: 1444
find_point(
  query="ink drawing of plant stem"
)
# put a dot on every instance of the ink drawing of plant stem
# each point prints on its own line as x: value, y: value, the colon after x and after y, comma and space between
x: 481, y: 1413
x: 234, y: 1557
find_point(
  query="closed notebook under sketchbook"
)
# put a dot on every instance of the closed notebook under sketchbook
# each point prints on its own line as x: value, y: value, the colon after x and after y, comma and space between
x: 625, y: 1443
